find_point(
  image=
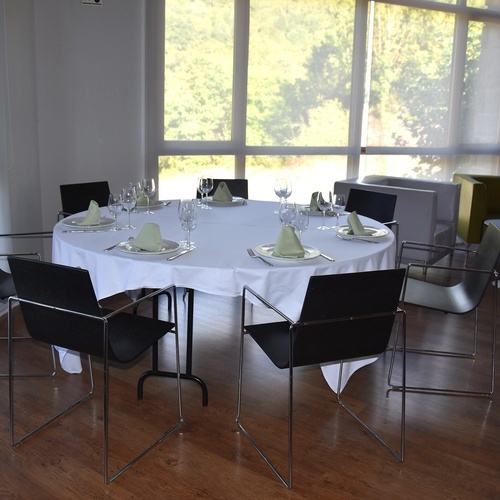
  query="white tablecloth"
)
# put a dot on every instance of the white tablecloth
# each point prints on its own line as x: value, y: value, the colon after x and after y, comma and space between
x: 220, y: 264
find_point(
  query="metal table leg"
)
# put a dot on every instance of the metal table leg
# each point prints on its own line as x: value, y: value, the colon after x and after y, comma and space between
x: 188, y: 375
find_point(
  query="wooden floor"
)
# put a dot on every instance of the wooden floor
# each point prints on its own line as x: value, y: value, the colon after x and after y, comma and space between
x: 452, y: 443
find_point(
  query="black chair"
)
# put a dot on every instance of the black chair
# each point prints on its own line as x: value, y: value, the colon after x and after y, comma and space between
x: 59, y: 307
x: 75, y: 198
x: 238, y: 187
x: 332, y: 327
x: 377, y: 206
x: 460, y: 292
x: 7, y: 289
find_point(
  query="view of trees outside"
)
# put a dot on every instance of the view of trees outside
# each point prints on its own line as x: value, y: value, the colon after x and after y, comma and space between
x: 299, y: 92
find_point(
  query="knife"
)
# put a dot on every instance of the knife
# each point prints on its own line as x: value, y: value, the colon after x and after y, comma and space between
x: 86, y: 231
x: 327, y: 258
x: 180, y: 253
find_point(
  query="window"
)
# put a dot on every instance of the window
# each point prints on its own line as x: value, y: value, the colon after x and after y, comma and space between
x: 320, y: 90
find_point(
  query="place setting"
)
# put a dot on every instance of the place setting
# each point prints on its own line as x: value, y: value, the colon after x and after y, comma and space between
x: 222, y: 196
x: 149, y: 241
x: 92, y: 221
x: 354, y: 230
x: 288, y: 247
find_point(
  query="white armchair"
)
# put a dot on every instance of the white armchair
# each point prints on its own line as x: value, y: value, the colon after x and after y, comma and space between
x: 426, y: 210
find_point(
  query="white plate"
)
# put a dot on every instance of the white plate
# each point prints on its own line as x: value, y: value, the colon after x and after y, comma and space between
x: 375, y: 232
x: 128, y: 247
x: 236, y: 202
x: 75, y: 223
x: 153, y: 204
x: 267, y: 251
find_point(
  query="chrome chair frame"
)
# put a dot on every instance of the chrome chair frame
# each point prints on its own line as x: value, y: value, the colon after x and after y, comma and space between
x: 455, y: 307
x: 293, y: 325
x: 42, y: 234
x: 108, y: 478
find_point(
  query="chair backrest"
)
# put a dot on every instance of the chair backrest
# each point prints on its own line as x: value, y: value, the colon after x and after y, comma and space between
x: 345, y: 299
x: 238, y: 187
x: 76, y: 197
x: 7, y: 287
x: 62, y: 287
x: 486, y: 258
x: 377, y: 206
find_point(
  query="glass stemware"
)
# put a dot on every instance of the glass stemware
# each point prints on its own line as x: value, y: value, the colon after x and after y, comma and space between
x: 205, y: 185
x: 149, y: 189
x: 138, y: 192
x: 287, y: 213
x: 282, y: 189
x: 129, y: 201
x: 323, y: 202
x: 301, y: 222
x: 115, y: 207
x: 338, y: 206
x: 188, y: 220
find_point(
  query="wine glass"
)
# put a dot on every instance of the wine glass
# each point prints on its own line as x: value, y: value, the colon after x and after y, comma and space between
x: 138, y: 193
x: 301, y: 222
x: 129, y: 201
x: 338, y: 206
x: 205, y: 185
x: 188, y: 220
x: 323, y: 202
x: 149, y: 189
x: 115, y: 207
x: 287, y: 213
x: 281, y: 188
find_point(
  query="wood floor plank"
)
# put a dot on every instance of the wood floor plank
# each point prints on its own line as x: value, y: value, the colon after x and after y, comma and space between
x: 453, y: 443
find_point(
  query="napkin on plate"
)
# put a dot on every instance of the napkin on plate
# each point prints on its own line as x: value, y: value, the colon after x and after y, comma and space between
x: 93, y: 217
x: 149, y: 238
x: 222, y: 193
x: 355, y: 225
x: 142, y: 201
x: 313, y: 205
x: 288, y: 244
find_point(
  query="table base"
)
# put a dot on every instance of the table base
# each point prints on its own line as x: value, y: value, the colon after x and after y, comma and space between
x: 188, y: 375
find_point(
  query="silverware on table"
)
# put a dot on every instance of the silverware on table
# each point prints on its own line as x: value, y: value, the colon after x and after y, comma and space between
x: 114, y: 246
x: 327, y: 257
x: 85, y: 231
x: 254, y: 256
x: 356, y: 238
x: 180, y: 253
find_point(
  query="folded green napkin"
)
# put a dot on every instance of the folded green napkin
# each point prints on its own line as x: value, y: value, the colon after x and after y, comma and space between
x: 142, y: 201
x: 93, y: 217
x: 288, y: 245
x: 313, y: 206
x: 355, y: 226
x: 149, y: 238
x: 222, y: 193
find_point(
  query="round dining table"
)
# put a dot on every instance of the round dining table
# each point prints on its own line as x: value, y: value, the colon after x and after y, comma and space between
x: 220, y: 264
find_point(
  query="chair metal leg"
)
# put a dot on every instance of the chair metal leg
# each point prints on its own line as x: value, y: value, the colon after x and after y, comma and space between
x: 286, y: 482
x: 457, y: 392
x: 67, y: 409
x: 35, y: 375
x: 106, y: 474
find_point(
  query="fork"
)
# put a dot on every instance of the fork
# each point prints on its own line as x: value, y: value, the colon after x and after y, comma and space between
x: 113, y: 246
x: 252, y: 254
x: 356, y: 238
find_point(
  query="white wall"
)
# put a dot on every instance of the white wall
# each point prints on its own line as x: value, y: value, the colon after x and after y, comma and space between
x: 77, y: 98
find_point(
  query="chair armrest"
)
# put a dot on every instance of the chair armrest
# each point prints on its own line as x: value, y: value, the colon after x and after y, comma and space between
x: 138, y: 301
x: 429, y: 247
x: 266, y: 303
x: 40, y: 234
